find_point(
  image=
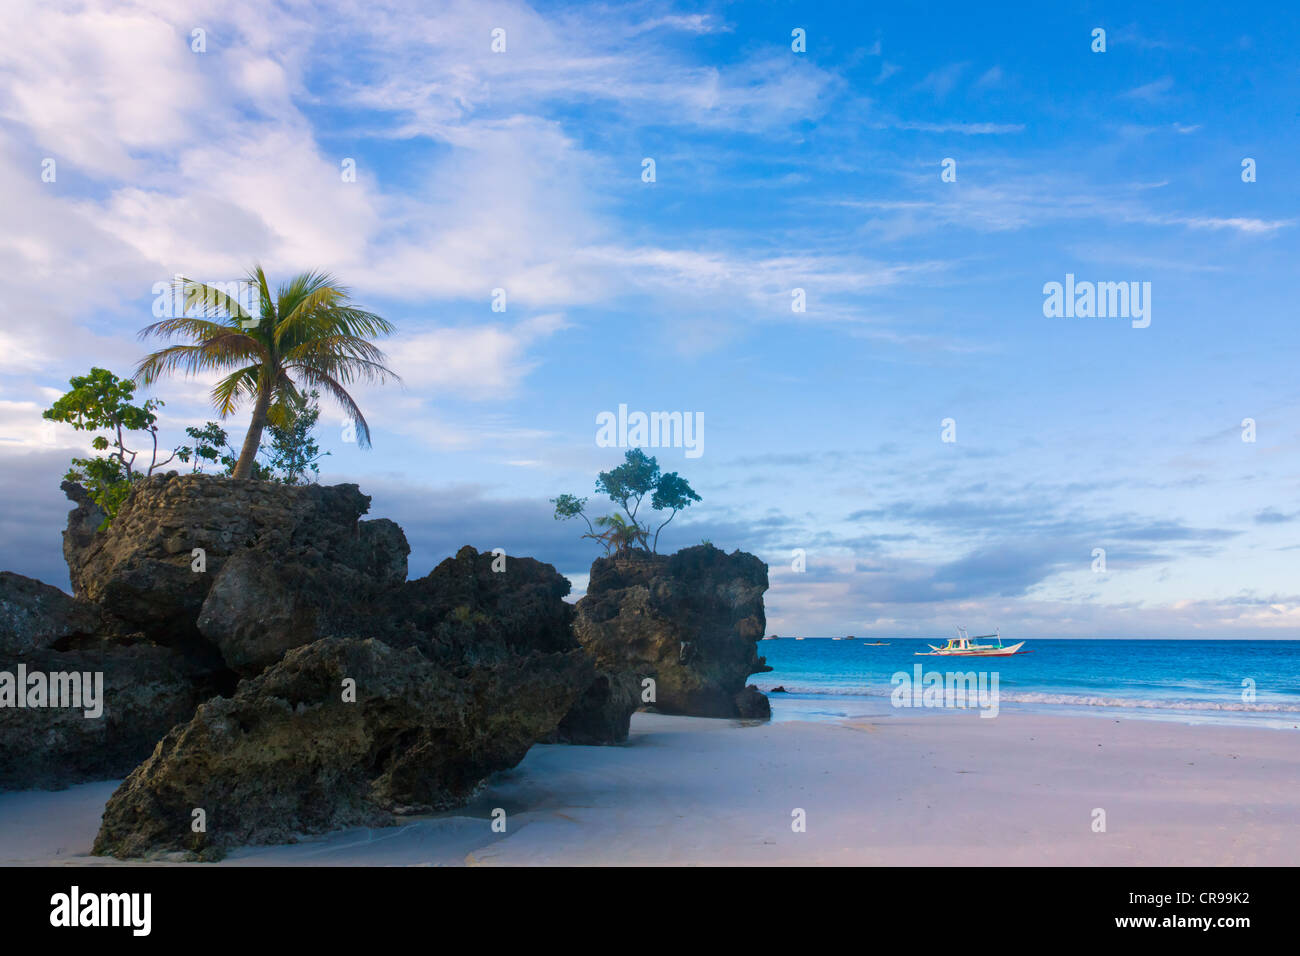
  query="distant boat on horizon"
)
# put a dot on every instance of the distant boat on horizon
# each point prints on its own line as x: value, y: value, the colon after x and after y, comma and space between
x: 875, y: 643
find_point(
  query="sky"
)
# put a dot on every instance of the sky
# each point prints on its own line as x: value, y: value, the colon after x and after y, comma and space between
x: 921, y: 445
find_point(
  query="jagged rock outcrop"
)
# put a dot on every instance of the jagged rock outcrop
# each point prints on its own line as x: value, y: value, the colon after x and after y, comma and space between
x: 276, y: 566
x: 752, y: 704
x: 480, y: 608
x: 143, y: 691
x: 690, y: 620
x: 602, y: 714
x: 83, y: 522
x: 263, y: 603
x: 455, y: 675
x: 35, y: 616
x: 460, y: 673
x: 288, y: 754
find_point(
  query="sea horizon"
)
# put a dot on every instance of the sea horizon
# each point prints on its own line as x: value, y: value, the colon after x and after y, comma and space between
x: 1193, y: 680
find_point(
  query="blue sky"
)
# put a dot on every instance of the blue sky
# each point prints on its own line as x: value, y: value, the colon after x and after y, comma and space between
x: 775, y: 170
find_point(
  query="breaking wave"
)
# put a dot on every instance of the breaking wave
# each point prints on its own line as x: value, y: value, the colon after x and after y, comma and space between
x: 1068, y: 700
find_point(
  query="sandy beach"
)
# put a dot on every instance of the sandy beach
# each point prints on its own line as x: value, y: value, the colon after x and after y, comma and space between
x: 934, y: 789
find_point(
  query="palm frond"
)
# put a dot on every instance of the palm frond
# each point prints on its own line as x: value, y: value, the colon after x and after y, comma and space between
x: 258, y: 278
x: 318, y: 379
x: 188, y: 326
x: 189, y: 359
x: 226, y: 393
x: 335, y: 346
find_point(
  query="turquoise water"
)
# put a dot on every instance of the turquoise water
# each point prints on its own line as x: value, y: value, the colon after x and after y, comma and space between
x: 1185, y: 680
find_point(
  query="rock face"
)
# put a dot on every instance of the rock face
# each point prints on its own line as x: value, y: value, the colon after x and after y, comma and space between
x: 602, y: 714
x: 35, y: 616
x: 689, y: 620
x: 83, y: 522
x: 467, y: 668
x: 145, y: 691
x: 465, y: 612
x: 288, y: 754
x: 364, y: 696
x: 263, y: 603
x: 279, y: 565
x: 134, y: 691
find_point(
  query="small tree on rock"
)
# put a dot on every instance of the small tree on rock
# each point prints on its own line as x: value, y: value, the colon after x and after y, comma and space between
x: 627, y: 486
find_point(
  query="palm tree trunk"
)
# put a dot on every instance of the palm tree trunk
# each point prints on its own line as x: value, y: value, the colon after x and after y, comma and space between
x: 253, y: 440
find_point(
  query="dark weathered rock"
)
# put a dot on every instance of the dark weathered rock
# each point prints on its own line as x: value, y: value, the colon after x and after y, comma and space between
x: 752, y: 704
x: 305, y: 564
x: 146, y: 690
x: 83, y: 522
x: 288, y: 755
x: 464, y: 613
x: 35, y: 615
x: 602, y: 714
x: 690, y: 620
x: 482, y: 608
x: 263, y: 603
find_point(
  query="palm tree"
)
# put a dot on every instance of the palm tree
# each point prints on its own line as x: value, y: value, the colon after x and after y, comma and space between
x: 308, y: 334
x: 619, y: 534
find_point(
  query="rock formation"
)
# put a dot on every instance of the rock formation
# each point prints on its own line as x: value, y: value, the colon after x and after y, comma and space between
x: 35, y: 616
x: 84, y: 521
x: 688, y: 620
x: 602, y: 714
x: 291, y: 754
x: 139, y: 690
x: 456, y: 674
x: 252, y: 568
x: 363, y: 696
x: 145, y: 691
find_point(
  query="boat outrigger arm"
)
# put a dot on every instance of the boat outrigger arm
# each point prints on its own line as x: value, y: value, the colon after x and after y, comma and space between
x: 963, y: 645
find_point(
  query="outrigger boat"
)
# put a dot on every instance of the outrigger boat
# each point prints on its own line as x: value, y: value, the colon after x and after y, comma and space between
x: 963, y: 645
x: 875, y: 643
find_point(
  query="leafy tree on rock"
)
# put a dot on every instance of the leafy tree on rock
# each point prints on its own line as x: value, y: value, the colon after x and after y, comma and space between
x: 627, y: 486
x: 102, y: 402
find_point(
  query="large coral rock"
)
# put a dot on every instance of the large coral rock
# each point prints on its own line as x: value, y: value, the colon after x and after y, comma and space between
x: 484, y: 607
x: 481, y: 607
x: 289, y: 754
x: 689, y: 620
x: 602, y: 714
x: 35, y: 615
x: 84, y: 522
x: 264, y: 603
x: 251, y: 567
x: 145, y: 691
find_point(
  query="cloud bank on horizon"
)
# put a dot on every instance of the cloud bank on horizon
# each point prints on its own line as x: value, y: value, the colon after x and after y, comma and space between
x: 826, y: 231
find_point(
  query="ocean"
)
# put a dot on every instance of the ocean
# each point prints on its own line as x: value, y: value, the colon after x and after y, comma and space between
x: 1254, y: 683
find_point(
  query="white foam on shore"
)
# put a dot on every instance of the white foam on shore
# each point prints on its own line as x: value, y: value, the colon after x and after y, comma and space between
x: 1069, y: 700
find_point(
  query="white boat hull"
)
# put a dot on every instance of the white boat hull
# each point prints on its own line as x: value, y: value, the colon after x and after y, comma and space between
x: 973, y: 651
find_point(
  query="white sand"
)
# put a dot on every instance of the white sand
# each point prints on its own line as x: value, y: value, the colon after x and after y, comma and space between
x: 934, y: 788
